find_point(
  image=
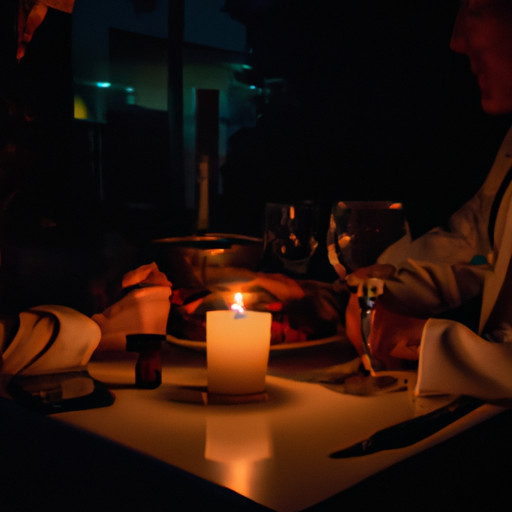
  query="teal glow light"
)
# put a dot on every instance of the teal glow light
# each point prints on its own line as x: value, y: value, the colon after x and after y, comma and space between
x: 103, y: 85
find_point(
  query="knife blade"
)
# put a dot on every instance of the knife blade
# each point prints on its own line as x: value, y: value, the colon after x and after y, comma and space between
x: 411, y: 431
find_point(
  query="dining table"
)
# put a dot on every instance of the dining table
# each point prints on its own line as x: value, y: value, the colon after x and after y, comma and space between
x: 177, y: 447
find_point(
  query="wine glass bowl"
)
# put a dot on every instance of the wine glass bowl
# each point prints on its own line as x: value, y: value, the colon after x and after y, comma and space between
x: 359, y: 231
x: 290, y: 238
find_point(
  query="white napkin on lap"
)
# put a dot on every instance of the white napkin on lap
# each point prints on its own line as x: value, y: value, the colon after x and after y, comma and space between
x: 50, y: 339
x: 143, y: 310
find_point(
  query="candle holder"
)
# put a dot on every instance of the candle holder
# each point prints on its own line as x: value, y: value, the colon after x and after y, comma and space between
x: 237, y: 351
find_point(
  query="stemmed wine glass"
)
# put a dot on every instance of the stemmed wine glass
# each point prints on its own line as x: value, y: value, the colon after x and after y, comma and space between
x: 359, y: 231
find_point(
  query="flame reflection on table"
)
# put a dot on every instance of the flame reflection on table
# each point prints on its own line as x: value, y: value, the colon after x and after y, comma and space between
x: 238, y: 442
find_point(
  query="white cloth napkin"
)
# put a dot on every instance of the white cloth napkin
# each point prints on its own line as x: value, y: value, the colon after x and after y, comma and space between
x: 50, y: 339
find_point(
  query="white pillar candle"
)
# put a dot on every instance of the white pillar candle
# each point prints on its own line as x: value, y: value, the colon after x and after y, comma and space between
x: 237, y: 350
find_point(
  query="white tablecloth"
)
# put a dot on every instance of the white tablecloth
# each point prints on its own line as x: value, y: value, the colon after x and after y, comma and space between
x: 274, y: 452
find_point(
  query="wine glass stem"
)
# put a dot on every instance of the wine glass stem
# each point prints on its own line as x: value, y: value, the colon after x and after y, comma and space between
x: 369, y: 362
x: 366, y: 357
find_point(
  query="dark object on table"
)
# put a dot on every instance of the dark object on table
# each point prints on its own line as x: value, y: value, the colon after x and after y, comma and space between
x: 411, y: 431
x: 193, y: 261
x: 148, y: 370
x: 60, y: 392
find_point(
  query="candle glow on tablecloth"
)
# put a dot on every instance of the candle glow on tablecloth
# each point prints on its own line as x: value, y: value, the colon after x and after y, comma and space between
x: 237, y: 350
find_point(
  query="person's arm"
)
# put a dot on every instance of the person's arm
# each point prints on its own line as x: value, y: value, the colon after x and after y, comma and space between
x: 445, y: 267
x: 424, y: 288
x: 31, y: 14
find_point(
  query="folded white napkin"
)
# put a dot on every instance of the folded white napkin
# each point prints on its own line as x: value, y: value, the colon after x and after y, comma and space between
x: 50, y: 339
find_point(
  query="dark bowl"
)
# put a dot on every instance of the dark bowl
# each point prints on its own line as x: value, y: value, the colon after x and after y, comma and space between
x: 193, y: 261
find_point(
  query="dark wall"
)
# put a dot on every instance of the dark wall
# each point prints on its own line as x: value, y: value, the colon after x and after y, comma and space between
x: 375, y: 106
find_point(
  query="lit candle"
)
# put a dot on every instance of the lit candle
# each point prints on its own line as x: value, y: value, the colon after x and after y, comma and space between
x: 237, y: 349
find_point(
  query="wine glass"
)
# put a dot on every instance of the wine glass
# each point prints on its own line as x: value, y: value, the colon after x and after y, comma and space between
x: 290, y: 237
x: 359, y: 231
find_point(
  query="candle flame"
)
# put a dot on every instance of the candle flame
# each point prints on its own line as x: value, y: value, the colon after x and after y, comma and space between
x: 238, y: 305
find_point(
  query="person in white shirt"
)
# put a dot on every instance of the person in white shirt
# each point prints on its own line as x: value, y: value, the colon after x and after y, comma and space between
x: 447, y: 267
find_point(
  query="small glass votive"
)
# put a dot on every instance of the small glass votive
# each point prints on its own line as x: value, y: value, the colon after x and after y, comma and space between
x: 237, y: 351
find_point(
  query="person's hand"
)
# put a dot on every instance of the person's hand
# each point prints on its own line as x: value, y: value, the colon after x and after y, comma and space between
x: 361, y: 275
x: 145, y: 275
x: 144, y: 309
x: 284, y: 288
x: 394, y: 338
x: 31, y: 14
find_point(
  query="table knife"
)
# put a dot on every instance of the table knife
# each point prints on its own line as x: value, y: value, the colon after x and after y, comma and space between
x: 411, y: 431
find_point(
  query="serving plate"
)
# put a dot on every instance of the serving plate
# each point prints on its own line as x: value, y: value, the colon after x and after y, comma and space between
x: 278, y: 347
